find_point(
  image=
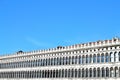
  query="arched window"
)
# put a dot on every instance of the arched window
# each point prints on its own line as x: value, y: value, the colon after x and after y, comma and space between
x: 98, y: 72
x: 55, y: 61
x: 106, y: 58
x: 64, y: 61
x: 111, y: 57
x: 51, y: 61
x: 116, y: 72
x: 46, y: 62
x: 66, y: 72
x: 83, y: 59
x: 69, y: 73
x: 90, y: 61
x: 94, y: 72
x: 86, y: 72
x: 90, y: 72
x: 87, y: 59
x: 63, y: 73
x: 76, y: 73
x: 102, y: 57
x: 107, y: 72
x: 73, y: 59
x: 115, y: 57
x: 94, y: 58
x: 48, y: 74
x: 42, y: 74
x: 79, y: 59
x: 103, y: 72
x: 58, y: 61
x: 69, y: 60
x: 83, y: 73
x: 72, y: 73
x: 79, y: 73
x: 57, y: 74
x: 111, y: 72
x: 76, y: 60
x: 98, y: 58
x: 53, y: 73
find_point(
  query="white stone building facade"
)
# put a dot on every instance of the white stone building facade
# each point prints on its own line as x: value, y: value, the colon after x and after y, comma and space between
x: 98, y: 60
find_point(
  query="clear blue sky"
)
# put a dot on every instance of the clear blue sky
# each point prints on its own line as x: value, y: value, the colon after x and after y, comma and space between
x: 40, y: 24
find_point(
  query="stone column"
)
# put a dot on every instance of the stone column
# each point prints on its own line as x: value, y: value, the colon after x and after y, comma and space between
x: 100, y: 72
x: 109, y: 72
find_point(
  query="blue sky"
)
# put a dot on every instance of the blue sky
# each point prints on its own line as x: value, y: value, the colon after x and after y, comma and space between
x: 40, y: 24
